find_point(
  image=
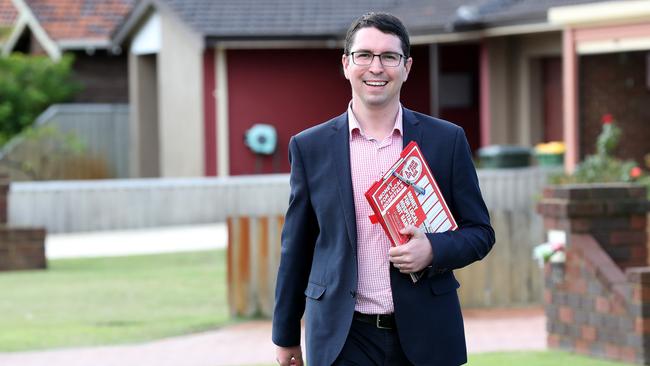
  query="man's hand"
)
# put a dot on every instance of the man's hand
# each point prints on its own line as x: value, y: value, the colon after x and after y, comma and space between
x: 414, y: 255
x: 289, y: 356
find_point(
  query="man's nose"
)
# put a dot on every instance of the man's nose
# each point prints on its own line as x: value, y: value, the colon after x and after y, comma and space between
x: 375, y: 65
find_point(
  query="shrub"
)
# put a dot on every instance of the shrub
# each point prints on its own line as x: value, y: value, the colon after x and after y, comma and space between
x: 46, y: 153
x: 28, y: 85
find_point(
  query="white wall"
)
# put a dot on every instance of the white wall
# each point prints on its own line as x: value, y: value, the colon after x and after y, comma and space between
x: 516, y: 86
x: 180, y: 85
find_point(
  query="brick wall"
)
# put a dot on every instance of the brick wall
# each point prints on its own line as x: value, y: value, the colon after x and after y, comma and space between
x: 598, y: 302
x: 615, y: 83
x: 20, y: 248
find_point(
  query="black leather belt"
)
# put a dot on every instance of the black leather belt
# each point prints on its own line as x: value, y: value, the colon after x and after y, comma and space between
x: 381, y: 321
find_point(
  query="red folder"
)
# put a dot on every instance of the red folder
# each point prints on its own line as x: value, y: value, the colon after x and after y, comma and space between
x: 408, y: 195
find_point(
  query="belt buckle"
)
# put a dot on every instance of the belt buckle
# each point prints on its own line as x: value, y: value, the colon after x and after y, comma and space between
x: 378, y: 323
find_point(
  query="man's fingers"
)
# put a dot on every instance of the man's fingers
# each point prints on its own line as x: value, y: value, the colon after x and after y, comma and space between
x: 286, y: 356
x: 409, y: 230
x: 297, y: 361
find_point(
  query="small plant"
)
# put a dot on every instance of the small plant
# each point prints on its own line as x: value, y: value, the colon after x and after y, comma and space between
x: 549, y: 252
x: 603, y: 166
x: 46, y: 153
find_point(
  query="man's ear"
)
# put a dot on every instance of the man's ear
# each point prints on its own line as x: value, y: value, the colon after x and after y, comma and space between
x: 407, y: 65
x: 345, y: 61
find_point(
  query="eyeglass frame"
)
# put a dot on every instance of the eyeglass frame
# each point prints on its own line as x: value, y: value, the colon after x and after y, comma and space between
x: 378, y: 55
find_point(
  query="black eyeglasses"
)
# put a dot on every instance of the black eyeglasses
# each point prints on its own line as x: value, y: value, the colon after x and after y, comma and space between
x: 388, y: 59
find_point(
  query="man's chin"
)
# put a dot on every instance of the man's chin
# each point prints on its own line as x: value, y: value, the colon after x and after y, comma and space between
x: 376, y: 101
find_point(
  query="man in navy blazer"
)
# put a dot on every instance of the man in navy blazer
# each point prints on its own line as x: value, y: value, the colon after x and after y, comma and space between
x: 360, y: 306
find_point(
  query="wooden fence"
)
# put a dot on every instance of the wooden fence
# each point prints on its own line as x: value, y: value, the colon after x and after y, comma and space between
x: 508, y: 276
x: 102, y: 128
x: 77, y: 206
x: 254, y: 206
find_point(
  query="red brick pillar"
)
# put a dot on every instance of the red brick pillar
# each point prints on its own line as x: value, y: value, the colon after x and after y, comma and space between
x: 4, y: 197
x: 598, y: 301
x: 640, y: 311
x: 614, y: 214
x: 20, y: 247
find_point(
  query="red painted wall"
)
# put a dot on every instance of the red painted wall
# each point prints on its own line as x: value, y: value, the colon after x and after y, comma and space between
x: 290, y: 89
x: 553, y: 110
x: 416, y: 92
x: 293, y: 90
x: 463, y: 58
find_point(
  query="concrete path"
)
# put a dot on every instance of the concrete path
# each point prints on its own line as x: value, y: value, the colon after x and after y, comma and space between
x: 141, y: 241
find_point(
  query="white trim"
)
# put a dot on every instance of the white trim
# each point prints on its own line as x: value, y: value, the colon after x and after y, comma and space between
x: 603, y: 12
x: 83, y: 44
x: 148, y: 39
x: 18, y: 29
x: 613, y: 45
x: 39, y: 33
x: 132, y: 20
x: 509, y: 30
x: 223, y: 148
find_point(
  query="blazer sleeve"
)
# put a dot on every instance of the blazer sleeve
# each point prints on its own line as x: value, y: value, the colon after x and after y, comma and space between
x: 298, y: 239
x: 474, y: 237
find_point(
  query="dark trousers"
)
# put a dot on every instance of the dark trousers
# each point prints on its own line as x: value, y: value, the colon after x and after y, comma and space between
x: 368, y: 345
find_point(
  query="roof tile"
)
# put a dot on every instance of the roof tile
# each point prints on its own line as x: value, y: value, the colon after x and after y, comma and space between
x: 80, y: 19
x: 8, y: 13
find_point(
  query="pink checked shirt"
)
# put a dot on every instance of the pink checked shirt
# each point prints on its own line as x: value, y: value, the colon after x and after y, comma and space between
x: 369, y: 160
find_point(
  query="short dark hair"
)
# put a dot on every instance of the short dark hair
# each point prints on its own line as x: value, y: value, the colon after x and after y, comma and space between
x: 386, y: 23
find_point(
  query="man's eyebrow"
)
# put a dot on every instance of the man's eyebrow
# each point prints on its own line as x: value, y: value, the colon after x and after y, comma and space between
x: 369, y: 51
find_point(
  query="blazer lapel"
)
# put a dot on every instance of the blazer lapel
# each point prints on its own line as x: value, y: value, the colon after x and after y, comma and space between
x: 340, y: 141
x: 412, y: 127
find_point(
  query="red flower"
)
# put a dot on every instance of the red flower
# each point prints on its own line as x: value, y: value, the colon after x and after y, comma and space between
x: 607, y: 118
x: 635, y: 172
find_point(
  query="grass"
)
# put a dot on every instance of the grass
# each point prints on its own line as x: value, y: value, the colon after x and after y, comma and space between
x: 79, y: 302
x: 545, y: 358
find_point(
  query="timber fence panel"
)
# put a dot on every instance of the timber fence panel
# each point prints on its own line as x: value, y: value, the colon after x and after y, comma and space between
x: 507, y: 277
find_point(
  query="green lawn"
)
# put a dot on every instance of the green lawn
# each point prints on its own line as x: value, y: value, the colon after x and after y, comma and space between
x: 549, y: 358
x: 80, y: 302
x: 112, y: 300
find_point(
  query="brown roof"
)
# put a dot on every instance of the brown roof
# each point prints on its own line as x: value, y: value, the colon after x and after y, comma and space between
x: 8, y: 14
x: 79, y: 19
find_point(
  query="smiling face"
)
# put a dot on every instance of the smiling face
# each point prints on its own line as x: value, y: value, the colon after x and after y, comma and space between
x: 376, y: 86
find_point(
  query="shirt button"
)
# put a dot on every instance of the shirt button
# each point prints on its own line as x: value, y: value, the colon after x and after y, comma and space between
x: 353, y: 293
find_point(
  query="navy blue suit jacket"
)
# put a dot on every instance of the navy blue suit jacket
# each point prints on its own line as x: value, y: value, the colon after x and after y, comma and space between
x: 318, y: 266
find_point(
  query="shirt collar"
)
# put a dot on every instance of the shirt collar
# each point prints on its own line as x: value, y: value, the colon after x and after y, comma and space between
x: 353, y: 123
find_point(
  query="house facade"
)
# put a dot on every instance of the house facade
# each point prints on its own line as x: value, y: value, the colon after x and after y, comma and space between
x: 79, y: 27
x: 201, y: 73
x: 606, y: 70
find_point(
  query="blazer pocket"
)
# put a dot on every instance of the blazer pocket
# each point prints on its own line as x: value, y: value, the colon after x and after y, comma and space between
x: 314, y: 291
x: 443, y: 285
